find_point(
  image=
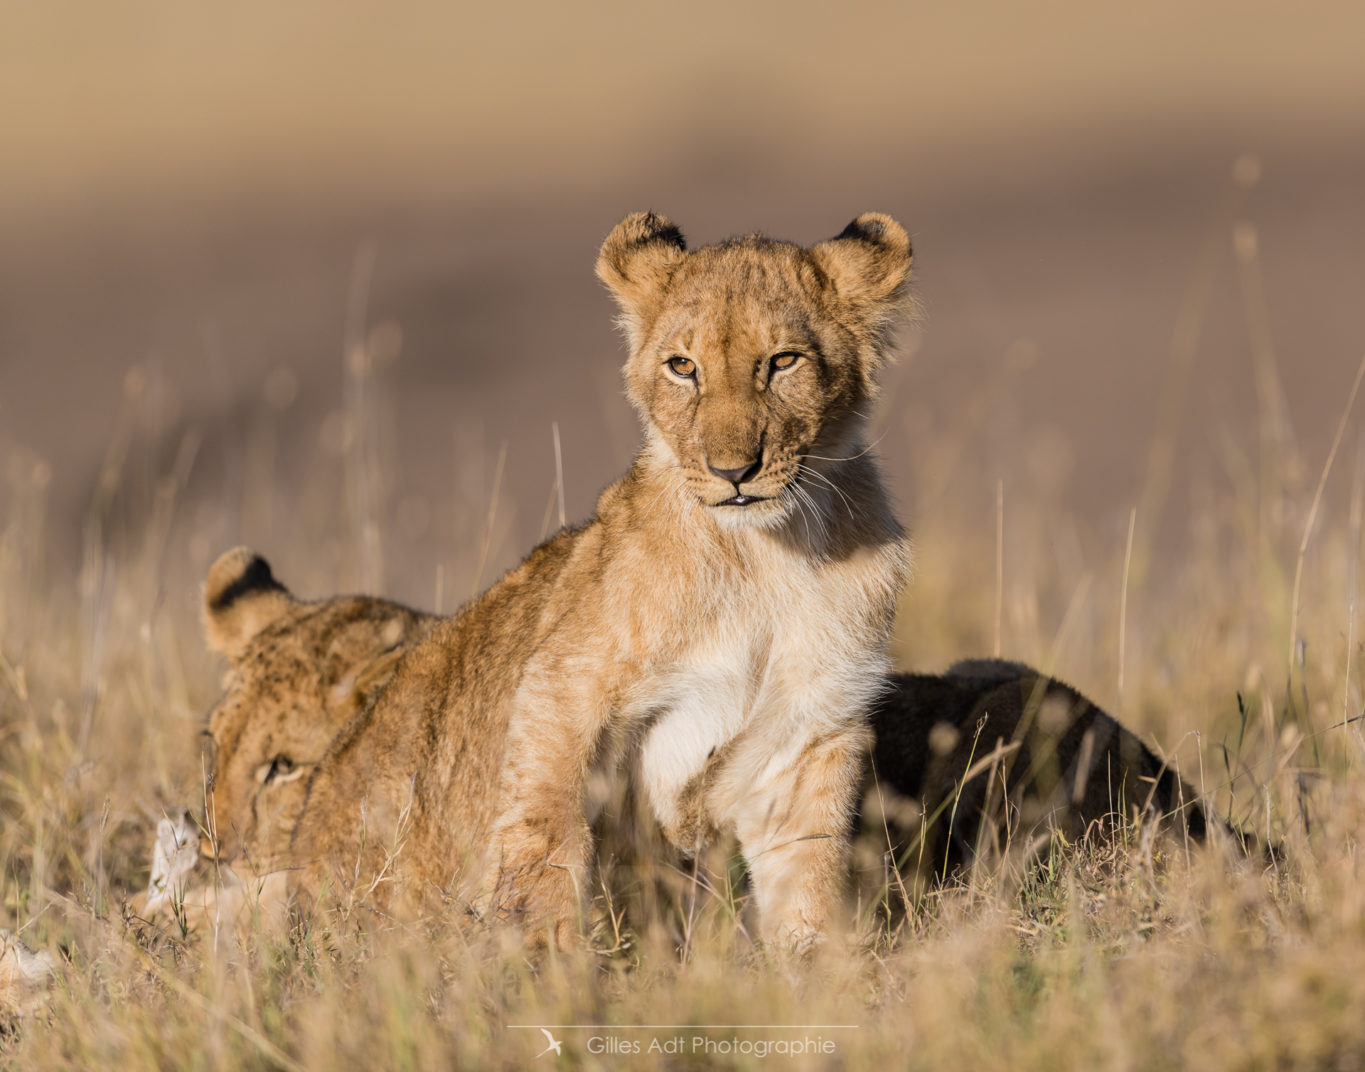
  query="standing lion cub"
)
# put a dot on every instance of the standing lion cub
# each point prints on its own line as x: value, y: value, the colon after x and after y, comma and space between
x: 721, y: 622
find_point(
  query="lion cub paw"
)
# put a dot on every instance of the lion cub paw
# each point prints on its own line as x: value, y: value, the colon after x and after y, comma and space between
x: 23, y: 973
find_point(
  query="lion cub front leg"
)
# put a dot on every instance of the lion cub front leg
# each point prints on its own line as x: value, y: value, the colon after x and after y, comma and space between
x: 541, y: 840
x: 794, y: 830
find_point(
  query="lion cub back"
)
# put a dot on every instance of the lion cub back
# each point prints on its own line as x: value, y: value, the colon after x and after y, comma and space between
x: 982, y: 760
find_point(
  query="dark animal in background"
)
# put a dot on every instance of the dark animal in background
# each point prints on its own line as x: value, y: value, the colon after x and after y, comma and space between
x: 992, y: 757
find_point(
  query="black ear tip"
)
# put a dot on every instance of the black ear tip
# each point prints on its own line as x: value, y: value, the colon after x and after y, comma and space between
x: 646, y: 228
x: 878, y: 229
x: 672, y: 234
x: 864, y: 227
x: 234, y: 575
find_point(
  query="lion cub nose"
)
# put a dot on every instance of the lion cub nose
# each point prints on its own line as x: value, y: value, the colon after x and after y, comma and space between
x: 741, y: 474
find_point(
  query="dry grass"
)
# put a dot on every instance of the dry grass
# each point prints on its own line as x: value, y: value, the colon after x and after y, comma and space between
x: 1136, y: 954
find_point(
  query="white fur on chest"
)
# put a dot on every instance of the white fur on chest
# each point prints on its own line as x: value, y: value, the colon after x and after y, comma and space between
x: 774, y: 670
x: 706, y: 702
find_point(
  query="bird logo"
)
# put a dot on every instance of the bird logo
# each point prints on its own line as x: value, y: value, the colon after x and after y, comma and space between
x: 554, y: 1044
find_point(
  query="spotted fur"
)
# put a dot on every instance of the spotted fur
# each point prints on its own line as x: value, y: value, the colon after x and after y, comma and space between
x: 298, y: 671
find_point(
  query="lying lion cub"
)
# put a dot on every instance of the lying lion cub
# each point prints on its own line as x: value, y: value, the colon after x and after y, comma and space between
x: 723, y: 617
x: 992, y: 757
x: 300, y: 670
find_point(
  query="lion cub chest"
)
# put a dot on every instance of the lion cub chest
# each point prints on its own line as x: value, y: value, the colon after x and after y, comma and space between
x: 746, y: 696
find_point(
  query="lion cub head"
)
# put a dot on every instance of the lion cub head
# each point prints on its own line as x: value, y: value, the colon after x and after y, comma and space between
x: 751, y: 361
x: 297, y: 672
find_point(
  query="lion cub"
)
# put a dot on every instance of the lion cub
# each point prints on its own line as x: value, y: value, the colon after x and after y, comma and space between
x: 299, y: 670
x: 989, y: 756
x: 722, y: 620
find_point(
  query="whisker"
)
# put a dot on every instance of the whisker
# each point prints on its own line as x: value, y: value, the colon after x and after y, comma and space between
x: 801, y: 510
x: 832, y: 486
x: 680, y: 506
x: 854, y: 458
x: 810, y: 511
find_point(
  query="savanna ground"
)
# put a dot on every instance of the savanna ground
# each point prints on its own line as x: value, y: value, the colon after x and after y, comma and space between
x: 1241, y: 659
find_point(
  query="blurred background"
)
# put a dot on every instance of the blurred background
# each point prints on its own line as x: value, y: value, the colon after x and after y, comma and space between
x: 319, y: 277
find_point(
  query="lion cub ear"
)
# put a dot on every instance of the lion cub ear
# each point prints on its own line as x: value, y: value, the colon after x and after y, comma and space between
x: 868, y: 263
x: 241, y: 597
x: 636, y: 262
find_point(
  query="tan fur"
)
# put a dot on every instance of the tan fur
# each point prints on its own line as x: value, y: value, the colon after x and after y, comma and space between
x: 728, y: 624
x: 298, y: 672
x: 1074, y: 769
x: 209, y: 895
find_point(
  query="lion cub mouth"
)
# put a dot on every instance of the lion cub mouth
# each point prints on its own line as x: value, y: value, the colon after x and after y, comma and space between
x: 742, y: 500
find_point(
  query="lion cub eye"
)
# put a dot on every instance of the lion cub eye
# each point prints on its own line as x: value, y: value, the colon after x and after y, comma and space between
x: 783, y: 361
x: 278, y: 767
x: 683, y: 366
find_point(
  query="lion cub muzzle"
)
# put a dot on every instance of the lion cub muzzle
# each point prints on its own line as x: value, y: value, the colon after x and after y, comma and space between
x: 736, y: 477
